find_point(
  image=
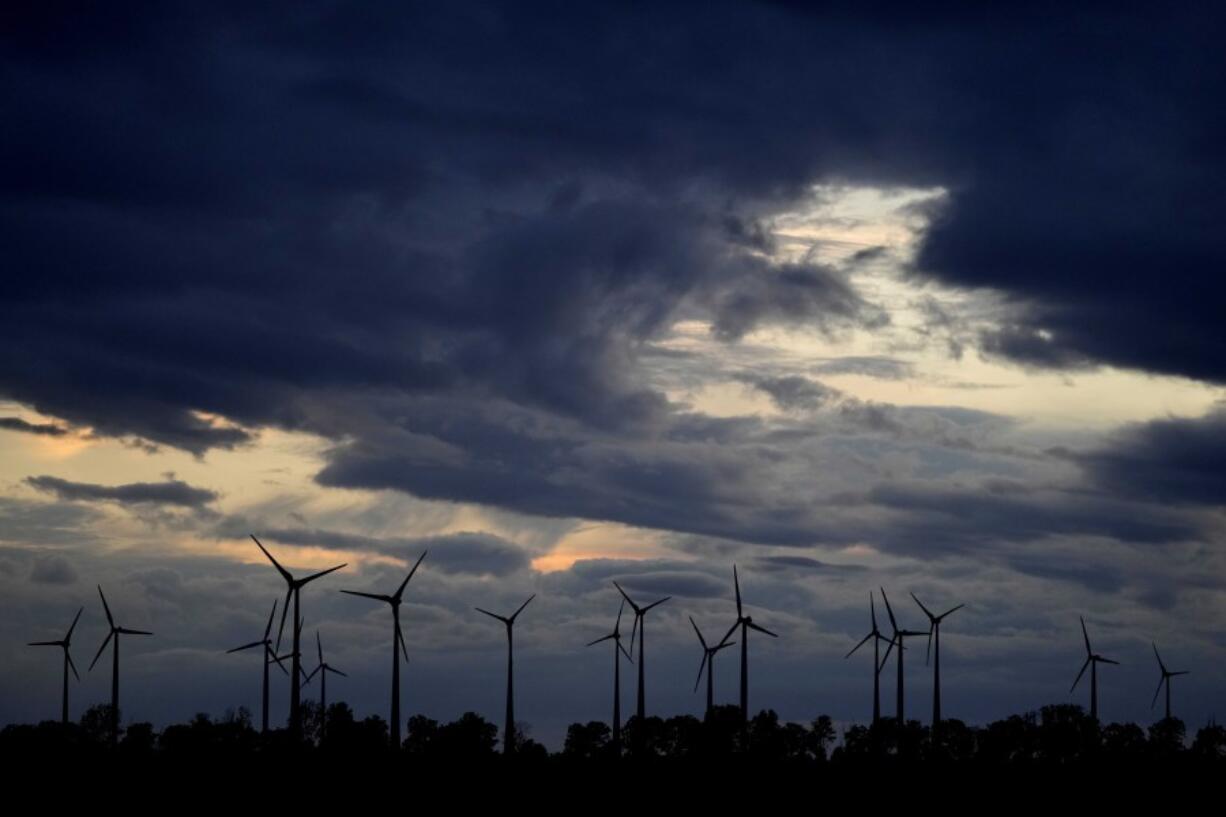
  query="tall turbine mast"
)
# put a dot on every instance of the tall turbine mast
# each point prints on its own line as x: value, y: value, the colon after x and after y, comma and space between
x: 508, y: 735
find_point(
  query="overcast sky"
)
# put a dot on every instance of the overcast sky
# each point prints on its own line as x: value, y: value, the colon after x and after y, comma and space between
x: 854, y: 297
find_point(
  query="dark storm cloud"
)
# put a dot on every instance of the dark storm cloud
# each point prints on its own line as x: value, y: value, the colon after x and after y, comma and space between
x: 473, y: 554
x: 172, y: 492
x: 44, y: 429
x: 1173, y: 460
x: 442, y: 238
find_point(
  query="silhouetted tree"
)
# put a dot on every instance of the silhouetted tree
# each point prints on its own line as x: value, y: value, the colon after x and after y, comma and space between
x: 1013, y: 740
x: 1123, y: 741
x: 139, y: 739
x: 1166, y: 738
x: 1210, y: 742
x: 821, y: 735
x: 422, y: 733
x: 470, y: 736
x: 1067, y: 733
x: 587, y: 741
x: 96, y: 723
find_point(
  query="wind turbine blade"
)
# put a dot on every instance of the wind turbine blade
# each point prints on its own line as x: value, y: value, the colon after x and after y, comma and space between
x: 863, y: 641
x: 753, y: 626
x: 403, y: 649
x: 271, y: 615
x: 656, y: 604
x: 268, y: 651
x: 633, y: 606
x: 889, y: 646
x: 872, y: 610
x: 1108, y: 661
x: 1083, y: 672
x: 336, y: 672
x: 1159, y: 657
x: 319, y: 645
x: 719, y: 647
x: 44, y: 643
x: 951, y: 610
x: 521, y: 608
x: 1086, y: 635
x: 321, y: 573
x: 927, y: 612
x: 245, y: 647
x: 1161, y: 681
x: 698, y: 632
x: 492, y: 615
x: 928, y: 654
x: 1181, y: 672
x: 629, y: 657
x: 126, y: 631
x: 284, y: 573
x: 71, y: 665
x: 284, y: 611
x: 731, y: 630
x: 106, y: 607
x: 620, y: 609
x: 635, y: 628
x: 405, y: 583
x: 702, y: 664
x: 109, y: 636
x: 597, y: 641
x: 375, y: 596
x: 889, y: 610
x: 736, y: 582
x: 68, y: 637
x: 312, y: 675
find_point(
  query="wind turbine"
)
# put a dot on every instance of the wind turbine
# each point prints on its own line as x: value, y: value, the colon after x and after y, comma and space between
x: 898, y: 636
x: 323, y: 669
x: 639, y: 623
x: 270, y: 656
x: 1092, y: 661
x: 708, y: 663
x: 115, y: 632
x: 934, y: 632
x: 398, y: 646
x: 294, y: 590
x: 1167, y: 675
x: 66, y: 642
x: 878, y: 659
x: 618, y: 650
x: 508, y: 735
x: 746, y: 624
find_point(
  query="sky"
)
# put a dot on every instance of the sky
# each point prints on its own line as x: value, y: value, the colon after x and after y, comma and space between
x: 852, y: 296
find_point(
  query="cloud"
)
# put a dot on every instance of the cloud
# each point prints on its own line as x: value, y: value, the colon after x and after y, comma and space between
x: 1172, y: 460
x: 52, y: 569
x: 792, y: 392
x: 472, y: 554
x: 172, y: 492
x: 882, y: 368
x: 44, y: 429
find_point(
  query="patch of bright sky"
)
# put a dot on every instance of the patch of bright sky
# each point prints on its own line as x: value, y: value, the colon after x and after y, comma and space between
x: 840, y: 222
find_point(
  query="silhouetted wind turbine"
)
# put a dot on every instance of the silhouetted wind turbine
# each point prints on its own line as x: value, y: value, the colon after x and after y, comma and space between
x: 66, y: 642
x: 637, y: 630
x: 898, y: 636
x: 115, y: 632
x: 323, y: 668
x: 618, y: 650
x: 294, y: 588
x: 934, y: 632
x: 398, y: 646
x: 1167, y: 675
x: 708, y: 663
x: 746, y: 624
x: 508, y: 736
x: 1092, y: 661
x: 878, y: 659
x: 270, y: 656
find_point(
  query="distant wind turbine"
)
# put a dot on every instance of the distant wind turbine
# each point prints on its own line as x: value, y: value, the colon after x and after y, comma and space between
x: 899, y: 636
x: 114, y: 634
x: 1167, y: 675
x: 708, y: 663
x: 878, y: 659
x: 640, y: 614
x: 66, y: 642
x: 294, y: 588
x: 618, y: 651
x: 934, y: 634
x: 323, y: 668
x: 508, y: 736
x: 1092, y: 661
x: 746, y: 624
x: 270, y: 656
x: 398, y: 646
